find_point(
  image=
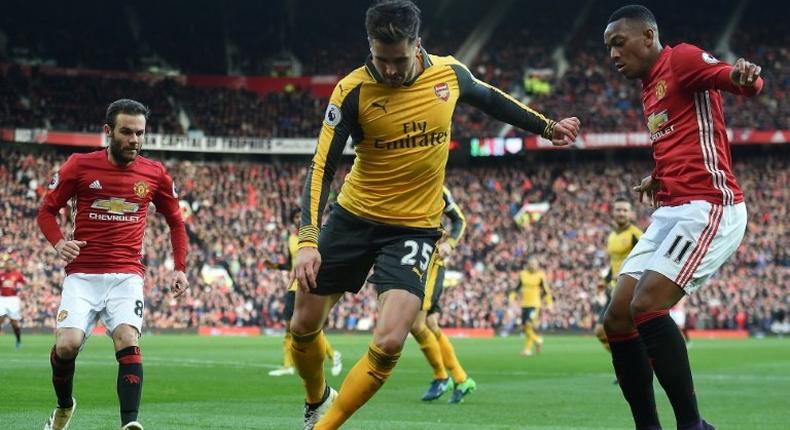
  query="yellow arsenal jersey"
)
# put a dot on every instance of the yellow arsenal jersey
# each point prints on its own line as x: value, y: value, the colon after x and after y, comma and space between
x: 619, y: 245
x: 534, y: 286
x: 401, y: 138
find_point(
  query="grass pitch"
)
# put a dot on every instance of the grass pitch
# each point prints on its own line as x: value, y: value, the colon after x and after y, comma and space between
x: 222, y: 383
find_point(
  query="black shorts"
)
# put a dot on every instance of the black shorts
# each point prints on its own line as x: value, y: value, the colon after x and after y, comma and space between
x: 290, y: 299
x: 434, y: 286
x: 350, y: 246
x: 529, y: 314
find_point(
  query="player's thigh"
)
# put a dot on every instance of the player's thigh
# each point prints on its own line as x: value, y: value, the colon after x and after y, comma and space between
x: 433, y: 285
x: 654, y: 292
x: 397, y: 310
x: 404, y: 258
x: 617, y: 317
x: 347, y: 253
x: 125, y: 303
x: 81, y: 301
x: 290, y: 301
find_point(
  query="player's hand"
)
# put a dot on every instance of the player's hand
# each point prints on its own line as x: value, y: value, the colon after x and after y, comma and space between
x: 68, y: 250
x: 565, y: 131
x: 179, y: 284
x: 744, y: 73
x: 445, y: 249
x: 308, y: 261
x: 649, y: 187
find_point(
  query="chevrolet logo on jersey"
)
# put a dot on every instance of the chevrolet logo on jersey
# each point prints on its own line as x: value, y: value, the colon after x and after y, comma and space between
x: 656, y: 120
x: 117, y: 210
x: 115, y: 206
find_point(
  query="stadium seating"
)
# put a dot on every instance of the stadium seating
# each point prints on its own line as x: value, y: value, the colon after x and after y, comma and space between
x: 236, y: 219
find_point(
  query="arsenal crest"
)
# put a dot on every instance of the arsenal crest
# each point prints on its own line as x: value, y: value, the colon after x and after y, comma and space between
x: 442, y: 91
x: 141, y: 189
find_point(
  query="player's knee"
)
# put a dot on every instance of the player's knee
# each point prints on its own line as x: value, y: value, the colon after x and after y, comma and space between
x: 640, y: 304
x: 67, y: 349
x: 390, y: 343
x: 125, y: 336
x: 418, y: 326
x: 617, y: 322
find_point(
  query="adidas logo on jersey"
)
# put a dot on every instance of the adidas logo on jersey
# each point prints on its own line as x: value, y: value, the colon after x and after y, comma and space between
x: 96, y: 185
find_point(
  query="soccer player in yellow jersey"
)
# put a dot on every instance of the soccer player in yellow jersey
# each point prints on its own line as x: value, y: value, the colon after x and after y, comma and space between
x: 619, y: 244
x: 434, y: 344
x: 397, y: 108
x: 290, y: 297
x: 534, y: 290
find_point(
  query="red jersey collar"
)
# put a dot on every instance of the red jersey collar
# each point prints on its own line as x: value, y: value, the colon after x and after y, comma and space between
x: 654, y: 69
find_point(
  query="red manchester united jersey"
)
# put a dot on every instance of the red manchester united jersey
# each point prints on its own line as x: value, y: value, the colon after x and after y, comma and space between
x: 10, y: 282
x: 682, y: 107
x: 108, y: 205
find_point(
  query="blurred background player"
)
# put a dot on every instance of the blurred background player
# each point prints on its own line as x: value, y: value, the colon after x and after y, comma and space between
x: 112, y: 190
x: 618, y: 245
x: 290, y: 297
x: 535, y: 290
x: 700, y: 218
x: 434, y: 344
x: 11, y: 280
x: 678, y: 314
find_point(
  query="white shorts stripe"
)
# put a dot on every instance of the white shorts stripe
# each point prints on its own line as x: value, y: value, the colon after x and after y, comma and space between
x: 702, y: 247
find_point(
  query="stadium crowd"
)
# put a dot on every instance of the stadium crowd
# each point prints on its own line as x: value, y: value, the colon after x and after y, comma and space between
x: 236, y: 214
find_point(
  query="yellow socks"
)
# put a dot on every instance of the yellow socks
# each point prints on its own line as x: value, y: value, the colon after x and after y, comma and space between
x: 287, y: 362
x: 430, y: 347
x: 307, y: 353
x: 531, y: 337
x: 328, y: 351
x: 449, y: 358
x: 361, y: 383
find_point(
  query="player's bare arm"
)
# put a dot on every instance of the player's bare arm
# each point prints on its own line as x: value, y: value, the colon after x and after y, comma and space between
x: 68, y: 250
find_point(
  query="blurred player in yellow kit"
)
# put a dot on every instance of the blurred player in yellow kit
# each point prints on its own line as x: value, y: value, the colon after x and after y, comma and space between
x: 619, y: 244
x: 290, y: 296
x: 534, y: 290
x: 434, y: 344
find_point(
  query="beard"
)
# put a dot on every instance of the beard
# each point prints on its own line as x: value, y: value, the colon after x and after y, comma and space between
x: 121, y: 155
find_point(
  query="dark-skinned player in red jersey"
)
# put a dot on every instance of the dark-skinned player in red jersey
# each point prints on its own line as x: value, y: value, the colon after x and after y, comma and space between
x: 109, y: 191
x: 700, y: 217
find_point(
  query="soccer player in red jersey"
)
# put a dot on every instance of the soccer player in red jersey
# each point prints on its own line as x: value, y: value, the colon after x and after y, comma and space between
x: 700, y: 217
x: 109, y: 191
x: 10, y: 281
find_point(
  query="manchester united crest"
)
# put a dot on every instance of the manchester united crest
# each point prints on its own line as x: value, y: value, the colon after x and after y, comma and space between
x: 661, y: 89
x: 141, y: 189
x: 442, y: 91
x: 62, y: 315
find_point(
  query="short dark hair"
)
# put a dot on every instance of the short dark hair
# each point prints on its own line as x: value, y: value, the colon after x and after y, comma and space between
x: 391, y: 21
x: 125, y: 106
x: 621, y: 198
x: 636, y: 12
x: 294, y: 212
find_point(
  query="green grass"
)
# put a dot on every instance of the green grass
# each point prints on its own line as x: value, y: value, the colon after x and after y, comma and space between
x: 221, y: 383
